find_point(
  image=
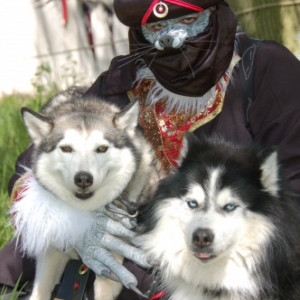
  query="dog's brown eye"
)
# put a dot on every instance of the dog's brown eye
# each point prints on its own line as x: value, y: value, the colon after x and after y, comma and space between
x: 66, y: 149
x: 101, y: 149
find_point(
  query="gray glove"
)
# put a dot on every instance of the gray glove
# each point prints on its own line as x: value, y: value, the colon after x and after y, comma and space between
x: 96, y: 245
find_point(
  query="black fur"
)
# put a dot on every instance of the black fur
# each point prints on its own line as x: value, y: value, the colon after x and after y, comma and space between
x: 280, y: 271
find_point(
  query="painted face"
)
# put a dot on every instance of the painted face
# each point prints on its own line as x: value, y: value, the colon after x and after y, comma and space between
x: 172, y: 33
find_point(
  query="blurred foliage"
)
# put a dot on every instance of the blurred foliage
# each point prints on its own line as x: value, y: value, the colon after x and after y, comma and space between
x: 277, y: 20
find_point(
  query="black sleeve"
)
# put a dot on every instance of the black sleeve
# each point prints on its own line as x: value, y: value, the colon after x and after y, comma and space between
x: 275, y: 113
x: 99, y: 89
x: 24, y: 160
x: 113, y: 85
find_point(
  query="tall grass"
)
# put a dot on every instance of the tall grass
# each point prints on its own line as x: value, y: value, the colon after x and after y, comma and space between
x: 14, y: 294
x: 13, y: 136
x: 13, y: 141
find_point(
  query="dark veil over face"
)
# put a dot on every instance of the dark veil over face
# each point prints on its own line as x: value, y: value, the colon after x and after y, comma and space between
x: 198, y: 65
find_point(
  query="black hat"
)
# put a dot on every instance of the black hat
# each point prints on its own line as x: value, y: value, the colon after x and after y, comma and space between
x: 139, y: 12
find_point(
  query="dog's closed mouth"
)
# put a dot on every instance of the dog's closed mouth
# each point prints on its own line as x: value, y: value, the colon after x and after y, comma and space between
x: 84, y: 196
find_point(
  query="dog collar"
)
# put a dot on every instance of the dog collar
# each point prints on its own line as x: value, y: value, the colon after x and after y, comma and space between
x: 160, y: 8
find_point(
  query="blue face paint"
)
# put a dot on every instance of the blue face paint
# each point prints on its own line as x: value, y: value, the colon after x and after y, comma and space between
x: 176, y: 29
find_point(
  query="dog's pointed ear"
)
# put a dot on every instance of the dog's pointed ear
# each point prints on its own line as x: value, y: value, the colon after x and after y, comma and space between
x: 37, y: 125
x: 128, y: 118
x: 189, y: 144
x: 270, y: 170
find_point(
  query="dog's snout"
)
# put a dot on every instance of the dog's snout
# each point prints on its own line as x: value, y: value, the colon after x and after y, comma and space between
x: 166, y: 41
x: 83, y: 179
x: 203, y: 237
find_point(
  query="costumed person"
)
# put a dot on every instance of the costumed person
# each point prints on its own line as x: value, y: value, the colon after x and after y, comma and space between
x: 193, y: 70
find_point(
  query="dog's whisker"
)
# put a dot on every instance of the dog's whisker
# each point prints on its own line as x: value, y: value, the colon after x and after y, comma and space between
x: 201, y: 41
x: 128, y: 57
x: 138, y: 55
x: 152, y: 59
x: 203, y: 50
x: 142, y: 48
x: 143, y: 45
x: 135, y: 54
x: 134, y: 50
x: 193, y: 73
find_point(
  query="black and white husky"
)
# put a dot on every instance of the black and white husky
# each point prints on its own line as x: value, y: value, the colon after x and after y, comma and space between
x: 87, y: 152
x: 223, y: 226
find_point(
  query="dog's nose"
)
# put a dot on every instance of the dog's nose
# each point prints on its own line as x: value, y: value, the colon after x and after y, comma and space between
x: 203, y: 237
x: 166, y: 41
x: 83, y: 179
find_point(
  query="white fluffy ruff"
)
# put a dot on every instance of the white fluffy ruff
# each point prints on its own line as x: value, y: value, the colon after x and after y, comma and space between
x: 186, y: 277
x: 184, y: 103
x: 41, y: 220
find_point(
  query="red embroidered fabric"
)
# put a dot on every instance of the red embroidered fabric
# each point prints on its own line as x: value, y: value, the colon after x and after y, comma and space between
x: 166, y: 131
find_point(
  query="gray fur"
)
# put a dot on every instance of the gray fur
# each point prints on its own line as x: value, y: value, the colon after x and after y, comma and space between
x: 73, y: 135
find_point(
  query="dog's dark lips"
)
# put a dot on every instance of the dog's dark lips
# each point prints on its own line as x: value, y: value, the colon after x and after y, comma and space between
x: 84, y: 196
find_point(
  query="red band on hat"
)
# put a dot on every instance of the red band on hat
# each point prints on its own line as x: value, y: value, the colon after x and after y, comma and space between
x: 176, y: 2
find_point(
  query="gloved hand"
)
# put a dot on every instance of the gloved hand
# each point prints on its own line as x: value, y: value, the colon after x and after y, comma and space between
x: 111, y: 232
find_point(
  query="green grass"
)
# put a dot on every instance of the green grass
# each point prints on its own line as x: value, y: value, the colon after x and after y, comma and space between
x: 13, y: 141
x: 14, y: 294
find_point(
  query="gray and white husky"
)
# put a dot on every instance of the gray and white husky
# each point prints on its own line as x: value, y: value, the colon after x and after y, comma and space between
x: 224, y: 226
x: 87, y: 152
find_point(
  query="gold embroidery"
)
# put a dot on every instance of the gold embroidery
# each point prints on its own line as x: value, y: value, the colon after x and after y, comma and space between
x: 165, y: 131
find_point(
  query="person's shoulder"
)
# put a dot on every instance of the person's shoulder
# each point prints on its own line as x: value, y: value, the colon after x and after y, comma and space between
x: 267, y: 50
x: 272, y: 51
